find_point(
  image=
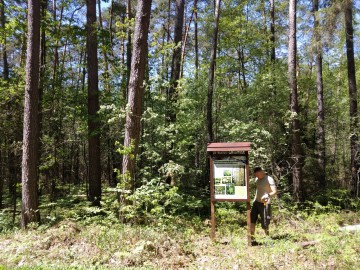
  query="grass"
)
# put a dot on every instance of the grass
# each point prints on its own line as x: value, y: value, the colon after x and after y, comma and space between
x: 76, y: 236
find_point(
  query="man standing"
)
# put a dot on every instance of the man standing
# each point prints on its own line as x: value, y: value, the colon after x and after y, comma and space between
x: 265, y: 189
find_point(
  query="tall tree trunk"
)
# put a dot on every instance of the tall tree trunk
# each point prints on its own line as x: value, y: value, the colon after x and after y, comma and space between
x: 124, y: 77
x: 4, y: 56
x: 183, y: 51
x: 42, y: 70
x: 106, y: 62
x: 111, y: 23
x: 56, y: 99
x: 128, y: 44
x: 196, y: 42
x: 56, y: 53
x: 294, y: 107
x: 209, y: 117
x: 320, y: 128
x: 136, y: 91
x: 93, y: 106
x: 272, y: 30
x: 30, y: 211
x: 176, y: 60
x: 168, y: 23
x: 241, y: 58
x: 354, y: 147
x: 13, y: 175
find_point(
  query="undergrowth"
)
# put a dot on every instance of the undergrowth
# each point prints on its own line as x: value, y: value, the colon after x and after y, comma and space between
x: 74, y: 235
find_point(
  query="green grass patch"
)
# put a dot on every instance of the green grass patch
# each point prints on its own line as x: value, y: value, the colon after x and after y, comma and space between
x: 74, y: 235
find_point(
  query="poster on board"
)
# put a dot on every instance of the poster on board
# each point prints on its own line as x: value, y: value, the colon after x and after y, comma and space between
x: 230, y: 179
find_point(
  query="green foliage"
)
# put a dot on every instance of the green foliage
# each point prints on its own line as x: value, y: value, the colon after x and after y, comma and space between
x: 86, y: 237
x: 157, y: 202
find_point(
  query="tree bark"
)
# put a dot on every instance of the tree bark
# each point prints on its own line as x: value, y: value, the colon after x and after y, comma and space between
x: 111, y: 23
x: 106, y: 62
x: 128, y: 44
x: 136, y: 91
x: 272, y: 30
x: 30, y: 211
x: 42, y: 70
x: 4, y: 56
x: 354, y: 146
x: 320, y: 128
x: 294, y: 107
x: 209, y: 118
x: 93, y: 106
x: 183, y: 51
x: 56, y: 53
x: 196, y: 42
x: 176, y: 60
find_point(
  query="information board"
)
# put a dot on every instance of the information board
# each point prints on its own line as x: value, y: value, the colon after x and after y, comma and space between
x: 230, y: 179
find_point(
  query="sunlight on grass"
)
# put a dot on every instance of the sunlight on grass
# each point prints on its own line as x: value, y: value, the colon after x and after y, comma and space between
x: 81, y: 237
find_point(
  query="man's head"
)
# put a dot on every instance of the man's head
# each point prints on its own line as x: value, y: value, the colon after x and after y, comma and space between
x: 259, y: 173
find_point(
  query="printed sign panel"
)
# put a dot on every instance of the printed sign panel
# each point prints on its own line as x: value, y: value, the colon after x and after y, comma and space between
x: 230, y: 179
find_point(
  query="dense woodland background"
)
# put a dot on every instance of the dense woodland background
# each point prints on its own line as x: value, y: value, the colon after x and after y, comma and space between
x: 111, y: 107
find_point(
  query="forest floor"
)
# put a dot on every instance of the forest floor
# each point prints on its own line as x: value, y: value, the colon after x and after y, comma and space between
x: 90, y: 238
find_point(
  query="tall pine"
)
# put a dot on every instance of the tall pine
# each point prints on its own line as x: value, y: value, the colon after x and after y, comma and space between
x: 93, y: 106
x: 351, y: 74
x: 294, y: 106
x: 30, y: 157
x: 136, y: 91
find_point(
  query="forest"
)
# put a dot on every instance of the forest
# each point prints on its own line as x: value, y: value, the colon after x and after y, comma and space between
x: 108, y: 107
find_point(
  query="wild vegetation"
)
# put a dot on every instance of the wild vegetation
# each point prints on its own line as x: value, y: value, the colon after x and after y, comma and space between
x: 74, y: 235
x: 107, y: 109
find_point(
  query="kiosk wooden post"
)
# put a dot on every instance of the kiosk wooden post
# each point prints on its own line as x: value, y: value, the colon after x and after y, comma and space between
x: 229, y: 177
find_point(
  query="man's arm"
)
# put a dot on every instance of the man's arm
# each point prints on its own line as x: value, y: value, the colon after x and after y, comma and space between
x: 273, y: 190
x: 272, y: 186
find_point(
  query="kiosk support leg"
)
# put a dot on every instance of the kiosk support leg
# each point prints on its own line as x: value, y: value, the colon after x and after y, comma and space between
x: 248, y: 222
x: 212, y: 220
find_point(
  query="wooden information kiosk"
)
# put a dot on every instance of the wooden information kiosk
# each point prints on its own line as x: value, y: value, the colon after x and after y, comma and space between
x: 229, y: 177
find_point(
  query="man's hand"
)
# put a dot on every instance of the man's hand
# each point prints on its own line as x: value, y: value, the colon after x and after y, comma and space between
x: 265, y: 197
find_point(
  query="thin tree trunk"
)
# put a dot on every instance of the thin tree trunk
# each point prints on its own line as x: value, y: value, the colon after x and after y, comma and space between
x: 176, y: 60
x: 30, y: 211
x: 320, y: 128
x: 272, y: 30
x: 56, y: 53
x: 294, y: 107
x: 106, y: 62
x: 168, y: 38
x: 93, y: 106
x: 183, y: 51
x: 124, y: 77
x: 55, y: 99
x: 241, y: 56
x: 309, y: 88
x: 196, y: 45
x: 111, y: 23
x: 12, y: 173
x: 42, y: 71
x: 136, y: 91
x: 209, y: 117
x: 4, y: 56
x: 76, y: 155
x: 354, y: 146
x: 128, y: 44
